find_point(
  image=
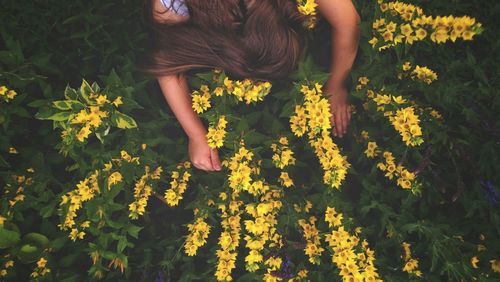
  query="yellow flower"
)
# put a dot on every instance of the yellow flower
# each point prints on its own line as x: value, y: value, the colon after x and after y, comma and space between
x: 216, y: 134
x: 411, y: 265
x: 199, y: 231
x: 285, y: 179
x: 219, y: 91
x: 41, y: 262
x: 11, y: 94
x: 118, y: 101
x: 83, y: 133
x: 114, y: 178
x: 307, y: 7
x: 473, y: 261
x: 373, y: 41
x: 200, y: 102
x: 495, y: 265
x: 102, y: 99
x: 302, y: 274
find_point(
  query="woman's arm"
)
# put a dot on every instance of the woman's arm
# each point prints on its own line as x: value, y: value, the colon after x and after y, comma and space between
x: 176, y: 92
x: 344, y: 19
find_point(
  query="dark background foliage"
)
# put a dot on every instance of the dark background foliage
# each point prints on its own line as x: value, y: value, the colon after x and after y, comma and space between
x: 46, y: 45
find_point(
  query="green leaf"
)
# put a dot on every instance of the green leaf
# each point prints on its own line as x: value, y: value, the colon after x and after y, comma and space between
x: 70, y: 93
x: 61, y: 116
x: 123, y: 121
x: 68, y: 105
x: 288, y: 109
x: 37, y: 239
x: 133, y: 230
x: 37, y: 103
x: 58, y: 243
x: 85, y: 90
x: 29, y: 253
x: 8, y: 238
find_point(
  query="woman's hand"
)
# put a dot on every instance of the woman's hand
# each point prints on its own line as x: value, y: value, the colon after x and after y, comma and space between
x: 339, y: 108
x: 202, y: 156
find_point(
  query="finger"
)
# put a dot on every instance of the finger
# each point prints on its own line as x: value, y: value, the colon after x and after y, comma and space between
x: 338, y: 120
x: 332, y: 123
x: 344, y: 121
x: 214, y: 157
x: 349, y: 115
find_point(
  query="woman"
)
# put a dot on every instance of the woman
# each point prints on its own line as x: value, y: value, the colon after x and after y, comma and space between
x: 260, y: 39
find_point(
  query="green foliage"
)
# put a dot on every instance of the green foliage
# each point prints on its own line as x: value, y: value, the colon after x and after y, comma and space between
x: 448, y: 216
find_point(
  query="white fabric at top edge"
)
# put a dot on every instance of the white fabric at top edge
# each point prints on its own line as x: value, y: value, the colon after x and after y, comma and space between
x: 179, y: 7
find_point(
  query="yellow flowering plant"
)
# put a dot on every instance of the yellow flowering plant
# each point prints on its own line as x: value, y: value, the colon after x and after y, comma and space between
x: 85, y: 111
x: 394, y: 200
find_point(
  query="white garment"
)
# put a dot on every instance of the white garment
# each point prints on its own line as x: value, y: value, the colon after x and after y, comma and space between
x: 179, y: 7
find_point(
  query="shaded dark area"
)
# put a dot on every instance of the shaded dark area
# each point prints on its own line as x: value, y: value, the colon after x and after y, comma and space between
x: 46, y: 45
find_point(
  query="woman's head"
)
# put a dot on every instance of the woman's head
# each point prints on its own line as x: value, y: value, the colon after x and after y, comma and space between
x: 259, y: 39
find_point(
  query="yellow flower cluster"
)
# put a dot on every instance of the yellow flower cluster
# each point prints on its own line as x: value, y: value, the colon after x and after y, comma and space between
x: 411, y: 264
x: 362, y: 82
x: 41, y: 268
x: 365, y: 135
x: 247, y: 89
x: 85, y: 191
x: 313, y: 118
x: 229, y: 239
x: 406, y: 179
x: 273, y: 263
x: 216, y: 133
x: 423, y: 74
x: 416, y: 26
x: 21, y: 181
x: 283, y: 155
x: 125, y: 157
x: 285, y: 179
x: 198, y: 234
x: 114, y: 178
x: 435, y: 114
x: 261, y: 230
x: 201, y: 102
x: 385, y: 99
x: 308, y: 8
x: 306, y: 207
x: 178, y: 185
x: 313, y: 247
x: 353, y: 266
x: 314, y: 115
x: 240, y: 173
x: 7, y: 94
x: 333, y: 163
x: 142, y: 191
x: 8, y: 264
x: 406, y: 123
x: 372, y: 149
x: 90, y: 117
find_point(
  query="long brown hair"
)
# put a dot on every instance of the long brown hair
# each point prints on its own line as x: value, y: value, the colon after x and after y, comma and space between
x: 263, y: 39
